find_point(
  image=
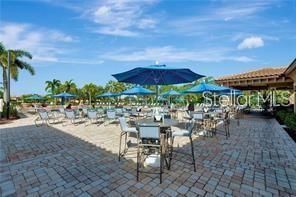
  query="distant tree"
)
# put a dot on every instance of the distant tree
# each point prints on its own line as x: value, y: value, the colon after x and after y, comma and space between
x: 52, y: 86
x: 116, y: 87
x: 90, y: 90
x: 68, y: 86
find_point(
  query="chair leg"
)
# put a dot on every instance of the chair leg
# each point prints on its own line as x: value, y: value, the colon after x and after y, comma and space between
x: 138, y: 165
x: 125, y: 142
x: 171, y: 153
x: 161, y: 165
x: 119, y: 153
x: 192, y: 151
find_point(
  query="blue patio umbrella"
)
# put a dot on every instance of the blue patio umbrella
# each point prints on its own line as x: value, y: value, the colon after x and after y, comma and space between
x: 138, y: 90
x: 206, y: 87
x: 157, y: 75
x: 171, y: 93
x: 34, y: 97
x: 64, y: 96
x: 108, y: 95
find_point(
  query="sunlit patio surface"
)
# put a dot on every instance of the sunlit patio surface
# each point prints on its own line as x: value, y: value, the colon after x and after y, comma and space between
x: 258, y: 159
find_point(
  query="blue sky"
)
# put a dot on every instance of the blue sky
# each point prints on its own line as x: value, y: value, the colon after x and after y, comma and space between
x: 87, y: 41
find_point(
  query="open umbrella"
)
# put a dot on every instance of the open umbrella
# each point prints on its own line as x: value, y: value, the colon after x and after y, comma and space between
x: 170, y: 93
x: 34, y: 97
x: 64, y: 96
x: 157, y: 75
x: 108, y: 95
x: 137, y: 90
x: 206, y: 87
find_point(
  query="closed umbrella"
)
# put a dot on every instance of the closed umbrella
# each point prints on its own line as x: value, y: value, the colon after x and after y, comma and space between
x: 157, y: 75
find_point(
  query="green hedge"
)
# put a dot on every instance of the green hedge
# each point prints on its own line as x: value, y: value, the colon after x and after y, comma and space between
x: 288, y: 118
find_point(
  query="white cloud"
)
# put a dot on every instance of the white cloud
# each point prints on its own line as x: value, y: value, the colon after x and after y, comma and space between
x: 172, y: 54
x: 45, y: 45
x: 251, y: 42
x: 122, y: 17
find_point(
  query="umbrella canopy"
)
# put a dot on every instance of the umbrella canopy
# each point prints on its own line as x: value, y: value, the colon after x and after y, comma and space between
x: 171, y: 93
x: 137, y: 90
x: 108, y: 94
x: 34, y: 97
x: 64, y: 95
x: 204, y: 87
x: 157, y: 75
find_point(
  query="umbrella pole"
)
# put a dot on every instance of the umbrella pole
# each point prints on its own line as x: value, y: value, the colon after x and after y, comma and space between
x: 156, y: 90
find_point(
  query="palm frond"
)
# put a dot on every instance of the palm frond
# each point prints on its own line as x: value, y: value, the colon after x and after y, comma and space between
x: 22, y: 53
x: 24, y: 65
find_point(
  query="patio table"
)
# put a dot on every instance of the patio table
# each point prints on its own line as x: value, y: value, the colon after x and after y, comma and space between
x: 166, y: 134
x: 163, y: 124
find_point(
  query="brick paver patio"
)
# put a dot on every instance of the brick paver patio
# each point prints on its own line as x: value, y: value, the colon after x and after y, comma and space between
x: 259, y: 159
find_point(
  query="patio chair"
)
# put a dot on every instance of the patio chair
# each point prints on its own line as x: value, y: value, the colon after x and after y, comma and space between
x: 84, y: 111
x: 149, y: 147
x: 72, y: 117
x: 44, y: 118
x: 185, y: 133
x: 125, y: 130
x: 110, y: 117
x: 91, y: 117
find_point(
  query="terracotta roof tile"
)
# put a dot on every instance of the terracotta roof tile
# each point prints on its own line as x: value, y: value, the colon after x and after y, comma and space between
x: 264, y: 72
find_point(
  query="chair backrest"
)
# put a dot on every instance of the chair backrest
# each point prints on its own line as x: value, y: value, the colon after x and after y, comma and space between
x: 100, y: 111
x: 43, y: 114
x: 134, y: 110
x: 118, y: 110
x: 198, y: 116
x: 111, y: 114
x: 218, y: 110
x: 62, y: 110
x: 84, y: 110
x: 123, y: 123
x: 92, y: 114
x: 69, y: 113
x: 149, y: 131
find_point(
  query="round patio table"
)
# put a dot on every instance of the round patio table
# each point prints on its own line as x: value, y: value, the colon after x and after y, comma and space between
x: 163, y: 124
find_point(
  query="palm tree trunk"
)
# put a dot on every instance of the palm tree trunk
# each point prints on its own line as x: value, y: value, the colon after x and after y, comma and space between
x: 89, y: 98
x: 5, y: 91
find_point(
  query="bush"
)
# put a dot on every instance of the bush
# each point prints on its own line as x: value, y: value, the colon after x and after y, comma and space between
x: 12, y: 111
x: 288, y: 118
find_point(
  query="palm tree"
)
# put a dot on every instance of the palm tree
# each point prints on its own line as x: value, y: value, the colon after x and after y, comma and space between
x: 16, y: 64
x: 69, y: 85
x: 90, y: 90
x: 52, y: 86
x: 114, y: 86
